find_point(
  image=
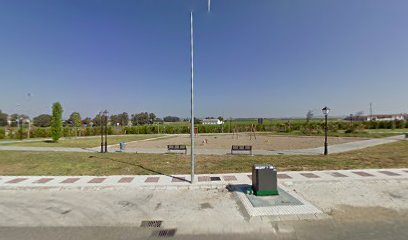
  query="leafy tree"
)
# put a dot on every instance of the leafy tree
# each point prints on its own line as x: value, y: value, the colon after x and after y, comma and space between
x: 140, y: 118
x: 86, y: 121
x: 96, y: 121
x: 221, y: 119
x: 197, y: 121
x: 152, y: 117
x: 75, y: 119
x: 43, y: 120
x: 124, y: 119
x: 171, y: 119
x: 115, y: 120
x: 3, y: 119
x: 309, y: 115
x: 56, y: 122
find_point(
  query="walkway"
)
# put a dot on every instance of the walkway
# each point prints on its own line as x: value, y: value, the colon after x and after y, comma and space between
x: 338, y: 148
x: 183, y: 181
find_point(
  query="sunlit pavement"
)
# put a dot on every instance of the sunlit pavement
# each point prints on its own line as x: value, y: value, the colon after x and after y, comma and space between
x: 357, y: 204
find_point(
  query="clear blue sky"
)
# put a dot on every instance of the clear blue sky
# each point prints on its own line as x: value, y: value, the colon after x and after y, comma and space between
x: 269, y: 58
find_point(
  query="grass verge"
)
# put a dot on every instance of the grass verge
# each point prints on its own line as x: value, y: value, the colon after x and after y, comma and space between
x: 85, y: 142
x: 393, y: 155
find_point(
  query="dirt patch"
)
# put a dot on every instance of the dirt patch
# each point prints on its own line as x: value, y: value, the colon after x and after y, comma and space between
x: 262, y: 142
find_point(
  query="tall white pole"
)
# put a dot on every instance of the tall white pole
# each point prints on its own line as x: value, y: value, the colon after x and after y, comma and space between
x: 192, y: 97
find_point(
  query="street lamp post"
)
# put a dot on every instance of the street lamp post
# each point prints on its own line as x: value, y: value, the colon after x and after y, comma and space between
x: 105, y: 113
x: 101, y: 129
x: 325, y: 111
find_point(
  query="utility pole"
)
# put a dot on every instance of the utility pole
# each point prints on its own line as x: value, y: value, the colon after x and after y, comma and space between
x: 192, y: 97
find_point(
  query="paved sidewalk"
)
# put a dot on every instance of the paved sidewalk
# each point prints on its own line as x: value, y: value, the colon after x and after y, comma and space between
x: 203, y: 181
x: 350, y: 204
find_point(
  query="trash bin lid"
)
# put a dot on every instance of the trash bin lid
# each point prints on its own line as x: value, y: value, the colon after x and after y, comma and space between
x: 264, y: 166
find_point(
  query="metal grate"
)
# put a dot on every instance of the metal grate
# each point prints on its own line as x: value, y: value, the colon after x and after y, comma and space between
x: 164, y: 233
x: 153, y: 224
x: 215, y: 178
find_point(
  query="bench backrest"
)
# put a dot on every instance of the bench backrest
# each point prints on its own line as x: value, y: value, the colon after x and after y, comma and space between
x: 176, y: 147
x: 241, y: 147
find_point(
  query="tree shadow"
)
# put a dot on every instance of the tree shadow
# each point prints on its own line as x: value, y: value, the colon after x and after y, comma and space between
x: 142, y: 167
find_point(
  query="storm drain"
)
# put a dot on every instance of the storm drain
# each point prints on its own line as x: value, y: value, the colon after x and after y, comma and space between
x: 152, y: 224
x: 165, y: 233
x: 215, y: 178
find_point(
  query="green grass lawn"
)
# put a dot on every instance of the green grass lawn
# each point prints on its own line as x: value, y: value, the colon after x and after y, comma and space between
x: 393, y: 155
x: 83, y: 142
x: 340, y: 133
x: 396, y: 131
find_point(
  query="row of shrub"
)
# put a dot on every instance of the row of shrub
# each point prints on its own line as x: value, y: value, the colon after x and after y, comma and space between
x: 313, y: 127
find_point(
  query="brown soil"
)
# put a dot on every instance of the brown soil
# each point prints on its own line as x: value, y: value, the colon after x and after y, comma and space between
x: 263, y: 142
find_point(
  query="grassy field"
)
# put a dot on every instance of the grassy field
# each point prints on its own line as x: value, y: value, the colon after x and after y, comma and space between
x: 394, y: 155
x: 396, y: 131
x: 86, y: 142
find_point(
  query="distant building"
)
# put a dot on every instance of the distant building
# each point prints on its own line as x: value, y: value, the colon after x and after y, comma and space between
x: 387, y: 117
x: 377, y: 117
x: 212, y: 121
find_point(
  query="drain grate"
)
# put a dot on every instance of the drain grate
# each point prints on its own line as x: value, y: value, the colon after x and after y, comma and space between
x: 164, y: 233
x: 153, y: 224
x: 215, y: 178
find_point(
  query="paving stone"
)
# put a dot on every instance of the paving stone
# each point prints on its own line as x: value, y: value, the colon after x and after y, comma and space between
x: 97, y: 180
x: 229, y: 178
x: 283, y: 176
x: 363, y: 174
x: 204, y: 178
x: 389, y: 173
x: 310, y: 175
x: 336, y: 174
x: 126, y: 180
x: 43, y: 180
x: 178, y: 179
x: 17, y: 180
x: 70, y: 180
x: 152, y: 179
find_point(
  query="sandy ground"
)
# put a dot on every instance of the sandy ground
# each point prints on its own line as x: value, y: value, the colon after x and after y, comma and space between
x: 262, y: 142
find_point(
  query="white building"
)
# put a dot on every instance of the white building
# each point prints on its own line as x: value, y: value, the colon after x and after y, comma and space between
x: 212, y: 121
x: 386, y: 117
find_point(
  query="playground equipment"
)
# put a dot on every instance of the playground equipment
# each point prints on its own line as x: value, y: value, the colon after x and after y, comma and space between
x: 252, y: 132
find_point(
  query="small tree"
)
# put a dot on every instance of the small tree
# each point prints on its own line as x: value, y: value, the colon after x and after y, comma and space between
x: 43, y: 120
x: 75, y: 120
x: 56, y: 122
x: 309, y: 115
x: 3, y: 119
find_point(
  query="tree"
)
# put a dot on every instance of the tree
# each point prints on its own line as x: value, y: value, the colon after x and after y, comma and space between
x: 221, y: 119
x: 56, y: 121
x: 140, y: 118
x: 75, y: 119
x: 152, y: 117
x: 3, y: 119
x: 309, y: 115
x: 171, y: 119
x: 43, y: 120
x: 197, y: 121
x: 124, y: 119
x: 86, y: 121
x: 96, y: 121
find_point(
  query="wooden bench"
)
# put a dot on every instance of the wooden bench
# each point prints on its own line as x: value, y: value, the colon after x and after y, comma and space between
x: 241, y: 148
x: 177, y: 148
